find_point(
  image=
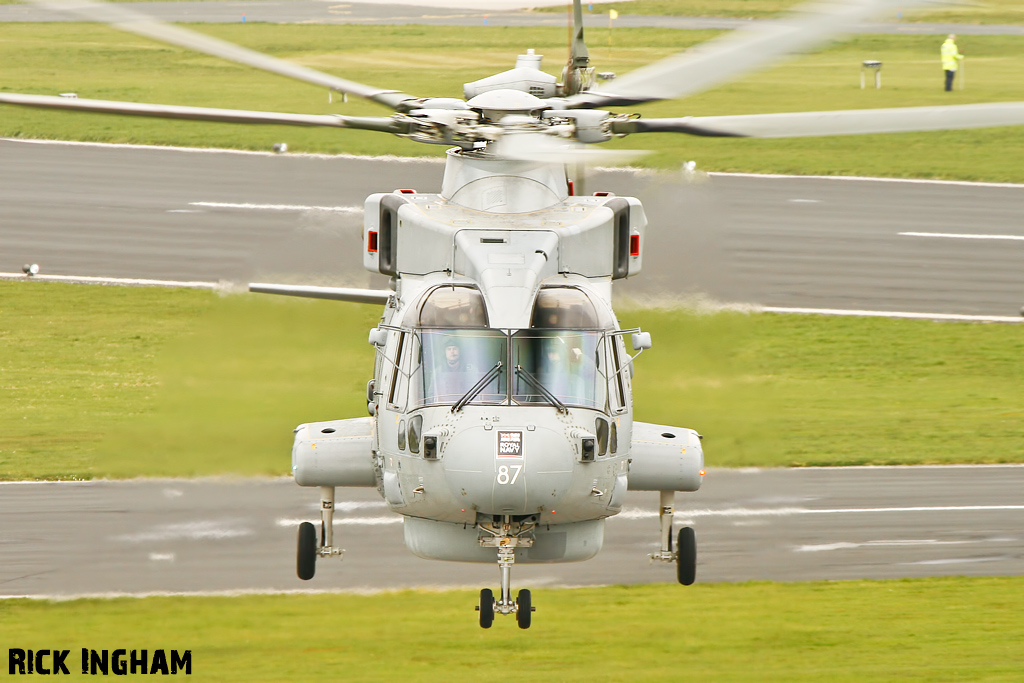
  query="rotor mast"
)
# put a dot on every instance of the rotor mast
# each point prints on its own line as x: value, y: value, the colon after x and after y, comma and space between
x: 577, y: 75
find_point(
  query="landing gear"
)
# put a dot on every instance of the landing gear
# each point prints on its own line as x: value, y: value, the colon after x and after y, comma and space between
x: 486, y: 608
x: 685, y: 554
x: 506, y: 536
x: 524, y: 609
x: 308, y: 549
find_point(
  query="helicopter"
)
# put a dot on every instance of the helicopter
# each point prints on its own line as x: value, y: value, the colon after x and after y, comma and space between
x: 500, y: 412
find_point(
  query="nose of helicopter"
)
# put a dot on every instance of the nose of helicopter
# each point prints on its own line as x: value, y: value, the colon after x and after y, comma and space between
x: 509, y: 471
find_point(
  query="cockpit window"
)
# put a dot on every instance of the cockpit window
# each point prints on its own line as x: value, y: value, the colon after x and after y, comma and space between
x: 455, y: 361
x: 454, y: 307
x: 564, y: 308
x: 567, y: 364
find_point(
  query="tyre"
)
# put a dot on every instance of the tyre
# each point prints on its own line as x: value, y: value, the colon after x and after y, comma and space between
x: 307, y: 551
x: 686, y: 557
x: 486, y: 608
x: 525, y: 612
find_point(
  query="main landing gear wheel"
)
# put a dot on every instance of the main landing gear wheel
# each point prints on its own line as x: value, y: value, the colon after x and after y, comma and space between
x: 486, y: 608
x: 524, y: 608
x: 686, y: 557
x: 307, y: 551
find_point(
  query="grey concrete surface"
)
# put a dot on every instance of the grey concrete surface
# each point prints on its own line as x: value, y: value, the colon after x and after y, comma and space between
x: 802, y: 242
x: 787, y: 525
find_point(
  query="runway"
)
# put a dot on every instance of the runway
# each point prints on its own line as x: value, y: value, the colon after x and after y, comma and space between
x: 141, y: 537
x: 160, y: 213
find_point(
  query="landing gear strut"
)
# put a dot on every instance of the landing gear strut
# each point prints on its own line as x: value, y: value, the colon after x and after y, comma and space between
x: 309, y: 549
x: 685, y: 554
x: 506, y: 536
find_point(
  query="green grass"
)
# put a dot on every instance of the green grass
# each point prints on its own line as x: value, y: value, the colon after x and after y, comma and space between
x: 909, y: 630
x: 123, y: 382
x: 987, y: 12
x: 101, y: 63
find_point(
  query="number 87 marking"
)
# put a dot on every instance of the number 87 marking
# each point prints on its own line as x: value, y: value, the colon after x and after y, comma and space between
x: 503, y: 474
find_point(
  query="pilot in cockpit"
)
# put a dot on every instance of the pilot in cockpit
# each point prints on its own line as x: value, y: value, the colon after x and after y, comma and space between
x: 454, y: 377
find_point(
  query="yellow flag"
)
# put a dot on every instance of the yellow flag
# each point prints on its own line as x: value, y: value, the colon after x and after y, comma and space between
x: 612, y: 14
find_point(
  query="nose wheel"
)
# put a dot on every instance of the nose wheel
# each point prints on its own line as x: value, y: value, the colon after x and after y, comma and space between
x: 522, y: 607
x: 506, y: 537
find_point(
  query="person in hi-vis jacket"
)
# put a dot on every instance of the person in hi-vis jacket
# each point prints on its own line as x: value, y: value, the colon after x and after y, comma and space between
x: 950, y: 60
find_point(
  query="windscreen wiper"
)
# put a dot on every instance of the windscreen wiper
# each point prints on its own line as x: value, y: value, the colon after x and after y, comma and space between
x: 535, y: 383
x: 478, y: 387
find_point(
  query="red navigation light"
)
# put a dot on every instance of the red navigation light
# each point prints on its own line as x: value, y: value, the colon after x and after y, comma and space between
x: 371, y: 242
x: 634, y: 245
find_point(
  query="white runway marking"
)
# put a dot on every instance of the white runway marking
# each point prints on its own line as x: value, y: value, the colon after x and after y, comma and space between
x: 805, y: 201
x: 441, y: 160
x: 353, y: 521
x: 639, y: 513
x: 161, y: 557
x: 352, y: 505
x: 873, y: 544
x: 869, y: 179
x: 964, y: 560
x: 895, y: 314
x: 280, y: 207
x: 1019, y: 238
x: 191, y: 531
x: 124, y: 281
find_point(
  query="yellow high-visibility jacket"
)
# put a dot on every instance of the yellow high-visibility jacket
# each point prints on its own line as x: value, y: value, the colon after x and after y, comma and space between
x: 950, y: 55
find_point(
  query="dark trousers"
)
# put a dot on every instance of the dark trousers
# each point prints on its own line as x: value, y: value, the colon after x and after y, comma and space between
x: 949, y: 80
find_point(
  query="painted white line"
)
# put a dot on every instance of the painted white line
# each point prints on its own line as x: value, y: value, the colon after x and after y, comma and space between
x: 441, y: 160
x: 124, y: 281
x: 280, y: 207
x: 873, y: 544
x: 191, y: 531
x: 964, y: 560
x: 869, y: 179
x: 640, y: 513
x: 242, y: 592
x: 893, y: 314
x: 352, y: 521
x: 353, y: 505
x: 1019, y: 238
x: 805, y: 201
x: 161, y: 557
x: 212, y: 150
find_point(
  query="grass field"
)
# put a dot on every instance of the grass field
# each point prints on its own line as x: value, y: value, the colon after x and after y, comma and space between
x: 988, y: 12
x: 101, y: 63
x: 910, y: 630
x: 124, y: 382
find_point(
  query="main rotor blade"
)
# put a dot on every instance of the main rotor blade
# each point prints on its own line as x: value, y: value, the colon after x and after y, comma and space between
x: 134, y: 22
x: 385, y: 124
x: 737, y: 53
x: 845, y: 122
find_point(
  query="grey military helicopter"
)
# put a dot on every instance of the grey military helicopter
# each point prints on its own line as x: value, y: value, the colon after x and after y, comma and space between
x: 500, y: 410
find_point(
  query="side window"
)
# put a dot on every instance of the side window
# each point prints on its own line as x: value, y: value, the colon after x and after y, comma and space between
x: 601, y: 428
x: 399, y: 384
x: 618, y: 379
